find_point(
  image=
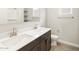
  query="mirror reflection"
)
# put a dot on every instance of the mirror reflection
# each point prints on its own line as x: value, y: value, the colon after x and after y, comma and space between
x: 19, y: 15
x: 31, y: 14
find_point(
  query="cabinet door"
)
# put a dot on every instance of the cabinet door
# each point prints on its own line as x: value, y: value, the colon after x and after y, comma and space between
x: 49, y: 43
x: 46, y: 41
x: 44, y: 45
x: 36, y: 48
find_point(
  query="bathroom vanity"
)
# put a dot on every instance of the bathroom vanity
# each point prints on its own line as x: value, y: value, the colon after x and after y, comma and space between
x: 32, y: 40
x: 42, y: 43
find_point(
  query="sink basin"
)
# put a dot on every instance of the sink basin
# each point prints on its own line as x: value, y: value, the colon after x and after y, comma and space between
x: 32, y: 34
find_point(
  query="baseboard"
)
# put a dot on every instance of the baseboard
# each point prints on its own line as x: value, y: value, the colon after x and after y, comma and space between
x: 69, y: 43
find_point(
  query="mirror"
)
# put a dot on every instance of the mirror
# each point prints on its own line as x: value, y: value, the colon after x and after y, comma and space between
x: 19, y: 15
x: 21, y: 18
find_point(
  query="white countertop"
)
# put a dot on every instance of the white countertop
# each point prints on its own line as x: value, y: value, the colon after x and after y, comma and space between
x: 24, y: 38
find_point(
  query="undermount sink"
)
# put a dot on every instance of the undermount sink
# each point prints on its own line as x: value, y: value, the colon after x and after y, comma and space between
x: 13, y: 41
x: 33, y: 34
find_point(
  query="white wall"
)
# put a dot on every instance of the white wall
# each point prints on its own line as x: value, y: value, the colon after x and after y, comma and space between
x: 43, y: 17
x: 66, y: 28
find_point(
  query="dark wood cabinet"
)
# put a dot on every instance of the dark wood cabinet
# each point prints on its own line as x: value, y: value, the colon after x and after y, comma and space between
x: 46, y: 41
x: 49, y: 43
x: 36, y: 48
x: 42, y: 43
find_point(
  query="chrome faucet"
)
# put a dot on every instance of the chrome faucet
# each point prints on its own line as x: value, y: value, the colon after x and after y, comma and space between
x: 13, y: 33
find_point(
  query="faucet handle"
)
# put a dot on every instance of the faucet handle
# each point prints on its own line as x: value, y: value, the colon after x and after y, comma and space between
x: 14, y: 31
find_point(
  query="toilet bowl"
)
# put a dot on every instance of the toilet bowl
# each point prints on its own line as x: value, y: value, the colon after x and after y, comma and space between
x: 54, y: 39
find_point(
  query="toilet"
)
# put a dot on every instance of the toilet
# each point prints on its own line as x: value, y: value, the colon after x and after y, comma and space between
x: 54, y: 39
